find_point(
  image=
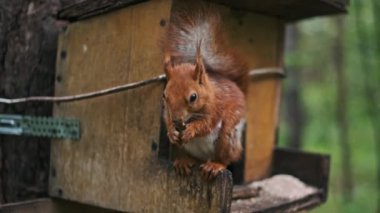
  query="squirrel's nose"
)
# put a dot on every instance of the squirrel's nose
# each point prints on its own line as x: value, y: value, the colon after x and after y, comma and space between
x: 179, y: 125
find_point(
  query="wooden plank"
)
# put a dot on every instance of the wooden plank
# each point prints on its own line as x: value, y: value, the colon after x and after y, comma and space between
x: 289, y: 10
x: 33, y: 206
x: 259, y: 38
x: 115, y: 164
x: 87, y: 51
x: 86, y: 9
x: 48, y: 205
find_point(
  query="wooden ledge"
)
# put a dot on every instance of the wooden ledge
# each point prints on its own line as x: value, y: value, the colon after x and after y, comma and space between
x: 51, y: 205
x: 280, y: 193
x: 288, y: 10
x: 304, y: 185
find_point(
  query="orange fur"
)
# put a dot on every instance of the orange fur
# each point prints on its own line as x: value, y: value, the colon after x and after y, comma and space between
x: 219, y: 106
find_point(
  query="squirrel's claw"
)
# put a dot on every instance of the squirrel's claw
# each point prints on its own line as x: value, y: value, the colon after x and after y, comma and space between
x: 210, y: 170
x: 183, y: 165
x: 174, y: 137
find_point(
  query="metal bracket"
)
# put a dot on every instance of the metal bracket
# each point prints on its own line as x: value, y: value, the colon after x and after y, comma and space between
x: 63, y: 128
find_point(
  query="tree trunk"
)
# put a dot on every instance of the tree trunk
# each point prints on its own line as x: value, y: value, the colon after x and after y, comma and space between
x: 293, y: 105
x: 28, y: 41
x: 347, y: 183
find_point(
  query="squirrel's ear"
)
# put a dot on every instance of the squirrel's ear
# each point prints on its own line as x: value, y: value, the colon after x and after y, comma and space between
x: 200, y: 72
x: 168, y: 65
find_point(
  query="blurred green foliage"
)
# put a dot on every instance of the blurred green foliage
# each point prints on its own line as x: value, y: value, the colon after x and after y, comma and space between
x: 318, y: 91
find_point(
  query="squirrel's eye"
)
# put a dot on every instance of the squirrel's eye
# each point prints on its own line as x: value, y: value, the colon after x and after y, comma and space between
x: 193, y: 97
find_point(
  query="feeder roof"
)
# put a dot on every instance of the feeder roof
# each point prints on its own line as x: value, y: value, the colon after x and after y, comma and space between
x: 288, y: 10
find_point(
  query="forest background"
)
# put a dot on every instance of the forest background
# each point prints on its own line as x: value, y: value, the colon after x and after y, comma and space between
x: 332, y: 101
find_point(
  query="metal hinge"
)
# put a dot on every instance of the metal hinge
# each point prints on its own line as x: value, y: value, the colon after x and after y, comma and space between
x: 63, y: 128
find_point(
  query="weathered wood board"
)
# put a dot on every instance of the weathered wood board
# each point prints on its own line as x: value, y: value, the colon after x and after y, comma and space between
x: 260, y: 40
x: 48, y: 205
x: 115, y: 164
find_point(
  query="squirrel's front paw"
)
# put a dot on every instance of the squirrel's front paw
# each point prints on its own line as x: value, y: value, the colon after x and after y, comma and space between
x: 174, y: 137
x: 187, y: 135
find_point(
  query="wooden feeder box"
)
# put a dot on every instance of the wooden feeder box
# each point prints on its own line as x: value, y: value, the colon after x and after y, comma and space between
x: 121, y: 161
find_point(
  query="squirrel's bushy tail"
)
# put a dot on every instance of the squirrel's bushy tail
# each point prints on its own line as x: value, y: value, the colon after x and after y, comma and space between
x: 190, y: 28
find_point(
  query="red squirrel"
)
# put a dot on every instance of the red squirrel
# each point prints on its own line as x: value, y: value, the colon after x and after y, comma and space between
x: 204, y: 102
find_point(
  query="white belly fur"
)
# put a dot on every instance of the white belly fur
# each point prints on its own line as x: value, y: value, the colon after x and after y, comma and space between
x: 203, y: 148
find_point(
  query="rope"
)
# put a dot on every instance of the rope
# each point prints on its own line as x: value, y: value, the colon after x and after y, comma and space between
x: 120, y: 88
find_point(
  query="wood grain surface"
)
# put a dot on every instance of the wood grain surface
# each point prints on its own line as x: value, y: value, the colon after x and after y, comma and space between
x: 115, y: 164
x: 260, y: 39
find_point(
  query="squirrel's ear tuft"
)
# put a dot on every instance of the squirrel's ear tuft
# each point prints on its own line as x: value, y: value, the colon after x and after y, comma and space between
x: 200, y: 72
x: 168, y: 65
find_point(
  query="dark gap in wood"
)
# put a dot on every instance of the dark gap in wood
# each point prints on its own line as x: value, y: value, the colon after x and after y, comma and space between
x: 237, y: 168
x: 164, y: 143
